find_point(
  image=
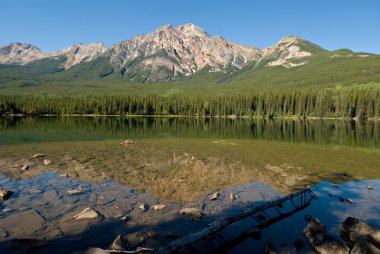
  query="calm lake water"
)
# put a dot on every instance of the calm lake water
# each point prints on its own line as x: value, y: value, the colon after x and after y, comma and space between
x: 17, y: 130
x: 178, y: 162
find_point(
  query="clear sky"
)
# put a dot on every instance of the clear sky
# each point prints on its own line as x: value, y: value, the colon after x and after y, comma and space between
x: 55, y: 24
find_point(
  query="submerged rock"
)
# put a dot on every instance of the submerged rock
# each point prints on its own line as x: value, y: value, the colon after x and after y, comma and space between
x: 362, y: 246
x: 214, y: 196
x: 299, y: 244
x: 26, y: 244
x: 159, y: 207
x: 315, y: 232
x: 194, y: 213
x: 128, y: 142
x: 38, y: 155
x: 144, y: 207
x: 5, y: 194
x: 119, y: 244
x: 87, y: 214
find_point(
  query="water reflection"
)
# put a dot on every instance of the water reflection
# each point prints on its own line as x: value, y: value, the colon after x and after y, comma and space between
x: 15, y: 130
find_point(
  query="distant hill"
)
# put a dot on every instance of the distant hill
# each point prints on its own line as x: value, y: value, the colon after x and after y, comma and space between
x: 179, y: 59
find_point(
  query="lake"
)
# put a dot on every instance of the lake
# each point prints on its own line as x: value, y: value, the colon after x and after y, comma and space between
x: 176, y: 161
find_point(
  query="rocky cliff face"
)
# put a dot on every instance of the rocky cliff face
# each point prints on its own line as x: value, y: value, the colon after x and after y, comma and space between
x: 169, y: 52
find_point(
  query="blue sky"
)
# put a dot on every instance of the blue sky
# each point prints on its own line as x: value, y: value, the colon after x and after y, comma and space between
x: 55, y: 24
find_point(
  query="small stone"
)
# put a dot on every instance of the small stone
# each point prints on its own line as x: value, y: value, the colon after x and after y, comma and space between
x: 119, y: 244
x: 38, y: 155
x: 128, y: 142
x: 152, y: 234
x: 47, y: 162
x: 144, y: 207
x: 35, y: 191
x: 64, y: 175
x: 232, y: 196
x: 158, y: 207
x: 349, y: 200
x: 299, y: 244
x: 194, y: 213
x: 126, y: 218
x: 87, y: 214
x: 25, y: 167
x: 73, y: 192
x: 214, y: 196
x: 369, y: 187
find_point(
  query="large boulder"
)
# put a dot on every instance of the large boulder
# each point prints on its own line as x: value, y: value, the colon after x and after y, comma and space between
x: 315, y: 232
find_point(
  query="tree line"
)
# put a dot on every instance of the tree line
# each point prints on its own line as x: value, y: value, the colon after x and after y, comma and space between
x: 346, y: 103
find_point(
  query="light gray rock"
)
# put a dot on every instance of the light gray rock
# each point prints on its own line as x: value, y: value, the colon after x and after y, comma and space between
x: 38, y: 155
x: 47, y: 162
x: 214, y: 196
x: 87, y: 214
x: 194, y: 213
x: 158, y: 207
x: 144, y: 207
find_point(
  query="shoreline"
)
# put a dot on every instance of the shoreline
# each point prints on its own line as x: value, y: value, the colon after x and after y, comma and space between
x: 193, y: 116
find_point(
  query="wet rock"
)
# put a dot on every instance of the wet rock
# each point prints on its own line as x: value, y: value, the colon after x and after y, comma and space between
x: 26, y: 244
x: 299, y: 244
x: 366, y: 197
x: 194, y: 213
x: 3, y: 233
x: 38, y: 155
x: 5, y: 194
x: 269, y: 248
x: 362, y: 246
x: 232, y: 196
x: 64, y: 175
x: 47, y: 162
x: 353, y: 225
x: 375, y: 237
x: 315, y: 232
x: 341, y: 199
x: 96, y: 251
x: 134, y: 240
x: 349, y: 200
x: 369, y: 187
x: 128, y: 142
x: 152, y: 234
x: 25, y: 167
x: 119, y: 244
x: 214, y: 196
x: 87, y: 214
x: 126, y: 217
x: 159, y: 207
x: 144, y: 207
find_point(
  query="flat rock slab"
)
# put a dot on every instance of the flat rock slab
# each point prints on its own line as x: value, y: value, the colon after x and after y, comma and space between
x: 23, y: 224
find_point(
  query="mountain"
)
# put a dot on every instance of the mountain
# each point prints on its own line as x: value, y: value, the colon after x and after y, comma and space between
x: 186, y: 54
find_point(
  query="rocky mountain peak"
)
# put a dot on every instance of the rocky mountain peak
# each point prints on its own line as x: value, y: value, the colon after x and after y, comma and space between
x: 191, y: 29
x: 19, y: 53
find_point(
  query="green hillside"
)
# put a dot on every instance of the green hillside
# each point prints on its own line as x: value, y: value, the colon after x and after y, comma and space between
x: 325, y: 69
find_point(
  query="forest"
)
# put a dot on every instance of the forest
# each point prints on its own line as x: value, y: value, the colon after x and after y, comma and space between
x: 335, y: 103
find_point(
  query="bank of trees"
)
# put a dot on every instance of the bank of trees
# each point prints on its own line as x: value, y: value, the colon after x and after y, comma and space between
x: 361, y: 103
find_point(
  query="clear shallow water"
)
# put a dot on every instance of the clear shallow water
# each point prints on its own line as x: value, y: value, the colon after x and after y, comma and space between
x: 179, y: 161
